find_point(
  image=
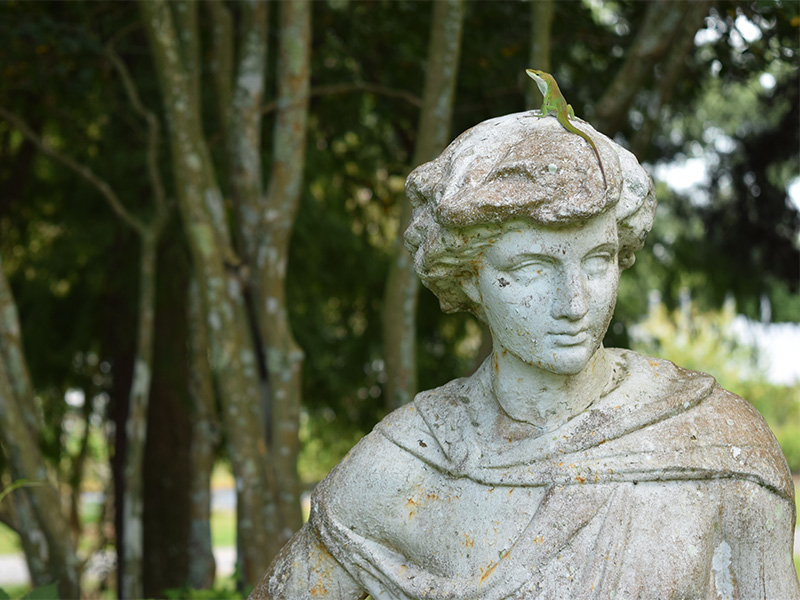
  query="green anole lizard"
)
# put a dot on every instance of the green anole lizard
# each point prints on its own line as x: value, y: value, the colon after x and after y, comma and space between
x: 554, y: 102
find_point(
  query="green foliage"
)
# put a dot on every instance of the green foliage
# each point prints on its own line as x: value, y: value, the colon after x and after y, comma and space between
x: 9, y: 540
x: 740, y: 118
x: 223, y: 528
x: 44, y: 592
x: 228, y: 588
x: 704, y: 341
x: 323, y: 446
x: 789, y: 438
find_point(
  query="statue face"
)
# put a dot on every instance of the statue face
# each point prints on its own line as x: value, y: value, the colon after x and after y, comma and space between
x: 548, y: 294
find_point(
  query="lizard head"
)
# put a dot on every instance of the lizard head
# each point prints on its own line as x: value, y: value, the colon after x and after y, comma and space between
x: 540, y: 79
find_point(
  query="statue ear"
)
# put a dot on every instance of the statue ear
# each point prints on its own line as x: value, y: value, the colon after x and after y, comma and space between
x: 469, y: 283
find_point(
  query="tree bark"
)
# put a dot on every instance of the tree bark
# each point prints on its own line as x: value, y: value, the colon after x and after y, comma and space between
x: 402, y: 285
x: 205, y: 223
x: 240, y: 92
x: 22, y: 450
x: 34, y: 543
x: 284, y: 355
x: 205, y: 439
x: 136, y: 426
x: 13, y: 355
x: 167, y: 461
x: 265, y: 220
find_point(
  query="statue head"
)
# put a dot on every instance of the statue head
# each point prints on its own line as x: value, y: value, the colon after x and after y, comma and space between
x: 515, y: 171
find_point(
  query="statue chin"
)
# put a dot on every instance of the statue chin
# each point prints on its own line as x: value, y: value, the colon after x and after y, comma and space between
x: 563, y: 360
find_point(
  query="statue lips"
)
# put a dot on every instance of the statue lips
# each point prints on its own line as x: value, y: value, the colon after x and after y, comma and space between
x: 569, y: 338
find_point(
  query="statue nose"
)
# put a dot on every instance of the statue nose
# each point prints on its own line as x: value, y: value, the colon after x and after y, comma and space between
x: 570, y: 301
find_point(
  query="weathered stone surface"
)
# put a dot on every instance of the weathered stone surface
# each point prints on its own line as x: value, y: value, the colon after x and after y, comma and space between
x: 560, y: 469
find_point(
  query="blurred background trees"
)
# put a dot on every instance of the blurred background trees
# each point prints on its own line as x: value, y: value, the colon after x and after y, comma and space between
x: 259, y: 151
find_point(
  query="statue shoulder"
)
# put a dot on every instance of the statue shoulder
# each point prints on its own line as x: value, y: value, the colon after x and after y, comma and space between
x: 388, y: 466
x: 706, y: 419
x: 748, y: 426
x: 374, y: 479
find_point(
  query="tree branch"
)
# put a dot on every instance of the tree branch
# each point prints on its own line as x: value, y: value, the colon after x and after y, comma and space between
x: 673, y: 68
x: 85, y: 172
x: 153, y: 134
x: 653, y: 39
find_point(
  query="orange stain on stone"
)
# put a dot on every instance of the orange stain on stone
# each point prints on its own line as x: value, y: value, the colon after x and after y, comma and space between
x: 488, y: 571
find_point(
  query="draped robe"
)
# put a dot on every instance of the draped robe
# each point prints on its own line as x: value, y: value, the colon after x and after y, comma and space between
x: 667, y: 487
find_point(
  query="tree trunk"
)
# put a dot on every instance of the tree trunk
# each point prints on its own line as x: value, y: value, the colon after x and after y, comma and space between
x: 539, y: 57
x: 265, y: 220
x: 13, y: 356
x: 34, y: 542
x: 400, y: 298
x: 167, y: 462
x: 136, y: 426
x: 205, y: 439
x: 284, y: 356
x: 22, y: 450
x: 233, y: 356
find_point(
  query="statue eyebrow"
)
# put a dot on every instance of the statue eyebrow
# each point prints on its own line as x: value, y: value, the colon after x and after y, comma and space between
x: 605, y: 246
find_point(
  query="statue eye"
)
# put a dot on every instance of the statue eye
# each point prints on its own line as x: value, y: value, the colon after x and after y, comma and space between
x: 528, y: 270
x: 597, y: 264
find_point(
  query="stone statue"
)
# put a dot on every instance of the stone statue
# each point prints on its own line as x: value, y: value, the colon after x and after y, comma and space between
x: 560, y: 469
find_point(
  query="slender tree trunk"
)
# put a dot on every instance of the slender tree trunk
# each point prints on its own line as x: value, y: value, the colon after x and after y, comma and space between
x: 76, y: 471
x: 265, y: 220
x: 400, y: 298
x: 243, y: 97
x: 539, y: 57
x: 167, y: 460
x: 12, y: 354
x: 136, y: 426
x: 22, y: 450
x: 240, y: 94
x: 205, y: 439
x: 284, y: 356
x: 34, y: 543
x: 233, y: 356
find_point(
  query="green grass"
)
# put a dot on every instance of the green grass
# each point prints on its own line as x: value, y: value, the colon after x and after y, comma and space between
x: 223, y: 528
x: 15, y: 591
x: 223, y: 532
x: 9, y: 541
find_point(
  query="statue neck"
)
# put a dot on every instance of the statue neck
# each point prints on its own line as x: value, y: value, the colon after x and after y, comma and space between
x: 544, y: 399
